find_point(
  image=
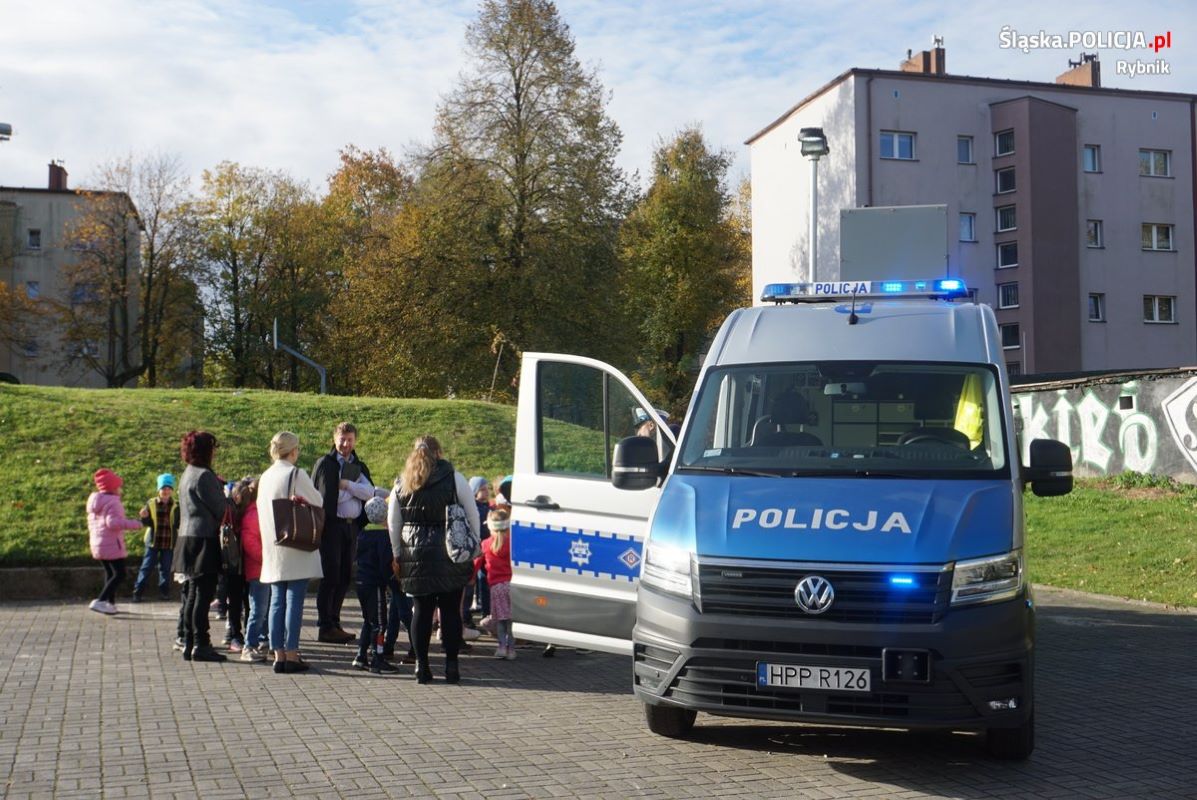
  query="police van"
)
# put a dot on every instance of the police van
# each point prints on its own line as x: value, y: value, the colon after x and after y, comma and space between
x: 835, y: 536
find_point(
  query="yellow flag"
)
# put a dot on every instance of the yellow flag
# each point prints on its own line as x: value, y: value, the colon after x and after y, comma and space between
x: 969, y: 419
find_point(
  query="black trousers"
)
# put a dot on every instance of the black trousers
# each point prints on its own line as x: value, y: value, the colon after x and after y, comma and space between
x: 114, y: 576
x: 336, y: 561
x: 373, y: 600
x: 198, y: 594
x: 423, y: 605
x: 235, y: 601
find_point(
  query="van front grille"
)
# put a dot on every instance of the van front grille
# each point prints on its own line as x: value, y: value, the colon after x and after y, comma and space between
x: 861, y: 595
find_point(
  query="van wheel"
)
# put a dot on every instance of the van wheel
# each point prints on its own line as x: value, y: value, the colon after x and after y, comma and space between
x: 1012, y: 744
x: 669, y: 721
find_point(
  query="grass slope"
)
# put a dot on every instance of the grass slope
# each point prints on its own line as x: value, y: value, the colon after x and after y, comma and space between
x: 53, y: 439
x: 1128, y: 536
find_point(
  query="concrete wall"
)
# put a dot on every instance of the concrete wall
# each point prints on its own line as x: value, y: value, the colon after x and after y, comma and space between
x: 781, y: 191
x: 1140, y: 423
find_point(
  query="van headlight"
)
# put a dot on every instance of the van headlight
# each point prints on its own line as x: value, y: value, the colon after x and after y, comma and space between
x: 667, y: 569
x: 985, y: 580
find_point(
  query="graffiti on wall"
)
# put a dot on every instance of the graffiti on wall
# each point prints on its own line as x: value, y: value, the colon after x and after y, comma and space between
x: 1147, y: 425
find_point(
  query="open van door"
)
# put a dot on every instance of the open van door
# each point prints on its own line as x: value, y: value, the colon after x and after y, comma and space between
x: 577, y: 541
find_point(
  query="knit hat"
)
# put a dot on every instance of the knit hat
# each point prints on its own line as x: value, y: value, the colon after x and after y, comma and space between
x: 376, y: 510
x: 166, y: 479
x: 476, y: 483
x: 107, y: 481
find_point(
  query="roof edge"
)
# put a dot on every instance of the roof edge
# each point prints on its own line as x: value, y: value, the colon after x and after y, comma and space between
x: 1008, y: 82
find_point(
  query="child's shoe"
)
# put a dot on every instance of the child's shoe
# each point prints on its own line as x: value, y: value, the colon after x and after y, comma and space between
x: 500, y: 652
x: 98, y: 606
x: 236, y: 646
x: 510, y: 653
x: 359, y: 662
x: 251, y: 656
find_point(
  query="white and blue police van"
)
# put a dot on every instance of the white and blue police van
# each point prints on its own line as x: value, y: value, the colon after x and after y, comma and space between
x: 835, y: 536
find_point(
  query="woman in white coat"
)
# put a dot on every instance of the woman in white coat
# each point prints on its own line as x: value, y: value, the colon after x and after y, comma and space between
x: 286, y: 569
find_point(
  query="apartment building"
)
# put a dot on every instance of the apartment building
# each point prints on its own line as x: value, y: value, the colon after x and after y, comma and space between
x: 36, y: 251
x: 1070, y: 206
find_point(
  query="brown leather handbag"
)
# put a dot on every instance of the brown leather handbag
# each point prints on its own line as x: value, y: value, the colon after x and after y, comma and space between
x: 297, y: 523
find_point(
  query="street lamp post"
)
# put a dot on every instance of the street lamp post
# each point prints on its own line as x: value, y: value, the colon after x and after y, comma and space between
x: 814, y: 146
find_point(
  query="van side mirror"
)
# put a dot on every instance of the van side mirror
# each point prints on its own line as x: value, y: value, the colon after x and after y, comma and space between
x: 1050, y: 471
x: 636, y: 464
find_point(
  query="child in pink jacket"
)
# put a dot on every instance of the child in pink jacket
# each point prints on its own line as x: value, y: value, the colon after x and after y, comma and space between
x: 106, y: 524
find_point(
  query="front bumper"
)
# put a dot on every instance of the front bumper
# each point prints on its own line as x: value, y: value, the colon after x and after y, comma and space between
x: 707, y: 662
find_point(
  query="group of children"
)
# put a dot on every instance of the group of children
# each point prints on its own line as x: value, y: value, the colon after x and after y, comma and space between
x: 383, y: 604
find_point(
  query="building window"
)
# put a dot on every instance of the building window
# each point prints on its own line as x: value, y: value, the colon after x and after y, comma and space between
x: 1007, y: 255
x: 1156, y: 236
x: 1155, y: 163
x: 964, y: 150
x: 968, y: 227
x: 33, y: 289
x: 84, y: 293
x: 1013, y: 368
x: 1159, y: 308
x: 1097, y: 307
x: 1003, y: 143
x: 1093, y: 234
x: 895, y: 144
x: 34, y: 239
x: 29, y: 348
x: 1007, y: 295
x: 1006, y: 220
x: 1004, y: 178
x: 1010, y: 337
x: 1091, y: 159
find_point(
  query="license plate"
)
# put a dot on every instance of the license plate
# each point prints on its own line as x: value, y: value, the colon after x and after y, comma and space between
x: 799, y: 676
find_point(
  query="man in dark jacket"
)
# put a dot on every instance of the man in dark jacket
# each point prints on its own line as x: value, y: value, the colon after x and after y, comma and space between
x: 344, y: 481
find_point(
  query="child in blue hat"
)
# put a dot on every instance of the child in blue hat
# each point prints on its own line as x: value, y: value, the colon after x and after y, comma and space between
x: 160, y: 515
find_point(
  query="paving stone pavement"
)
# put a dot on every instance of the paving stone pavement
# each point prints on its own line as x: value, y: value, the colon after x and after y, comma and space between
x: 103, y: 707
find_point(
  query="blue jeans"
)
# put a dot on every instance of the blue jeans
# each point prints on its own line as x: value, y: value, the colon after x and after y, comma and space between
x: 398, y: 613
x: 161, y: 556
x: 259, y: 598
x: 286, y: 613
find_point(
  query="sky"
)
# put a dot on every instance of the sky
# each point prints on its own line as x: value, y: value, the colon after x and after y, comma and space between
x: 285, y: 85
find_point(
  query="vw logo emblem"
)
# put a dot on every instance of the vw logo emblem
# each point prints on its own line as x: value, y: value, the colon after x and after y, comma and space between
x: 814, y: 594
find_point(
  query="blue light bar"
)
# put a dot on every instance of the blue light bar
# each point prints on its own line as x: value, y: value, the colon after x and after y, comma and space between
x: 903, y: 581
x: 944, y: 288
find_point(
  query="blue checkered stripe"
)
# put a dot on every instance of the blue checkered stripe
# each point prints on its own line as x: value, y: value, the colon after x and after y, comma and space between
x: 574, y: 551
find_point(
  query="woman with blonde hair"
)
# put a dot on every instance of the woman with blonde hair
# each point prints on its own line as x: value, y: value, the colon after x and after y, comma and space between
x: 286, y: 569
x: 416, y: 521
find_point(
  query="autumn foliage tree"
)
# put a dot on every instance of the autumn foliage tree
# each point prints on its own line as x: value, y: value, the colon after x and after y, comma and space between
x: 686, y: 260
x: 99, y: 315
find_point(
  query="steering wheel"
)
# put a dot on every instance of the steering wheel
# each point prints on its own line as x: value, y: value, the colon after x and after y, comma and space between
x: 924, y: 437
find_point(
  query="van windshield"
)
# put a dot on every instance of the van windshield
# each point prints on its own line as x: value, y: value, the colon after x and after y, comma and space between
x: 868, y: 419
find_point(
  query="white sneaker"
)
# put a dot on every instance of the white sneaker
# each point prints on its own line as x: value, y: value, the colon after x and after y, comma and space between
x: 470, y: 634
x: 112, y: 609
x: 510, y: 652
x: 501, y: 652
x: 251, y: 656
x: 98, y: 606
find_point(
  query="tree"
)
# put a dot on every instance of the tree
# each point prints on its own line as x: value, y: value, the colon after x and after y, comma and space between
x: 160, y: 189
x: 687, y: 258
x: 234, y: 228
x: 365, y: 196
x: 20, y: 315
x: 100, y: 315
x: 524, y: 160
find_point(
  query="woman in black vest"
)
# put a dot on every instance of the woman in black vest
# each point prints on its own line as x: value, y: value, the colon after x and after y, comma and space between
x: 416, y: 521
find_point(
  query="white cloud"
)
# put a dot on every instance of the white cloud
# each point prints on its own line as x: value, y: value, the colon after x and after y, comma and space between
x: 285, y: 85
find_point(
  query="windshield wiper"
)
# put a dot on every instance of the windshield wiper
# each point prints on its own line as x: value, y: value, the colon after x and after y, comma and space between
x: 850, y: 473
x: 732, y: 471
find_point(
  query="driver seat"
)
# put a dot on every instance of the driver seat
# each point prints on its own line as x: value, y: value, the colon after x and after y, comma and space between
x: 788, y: 408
